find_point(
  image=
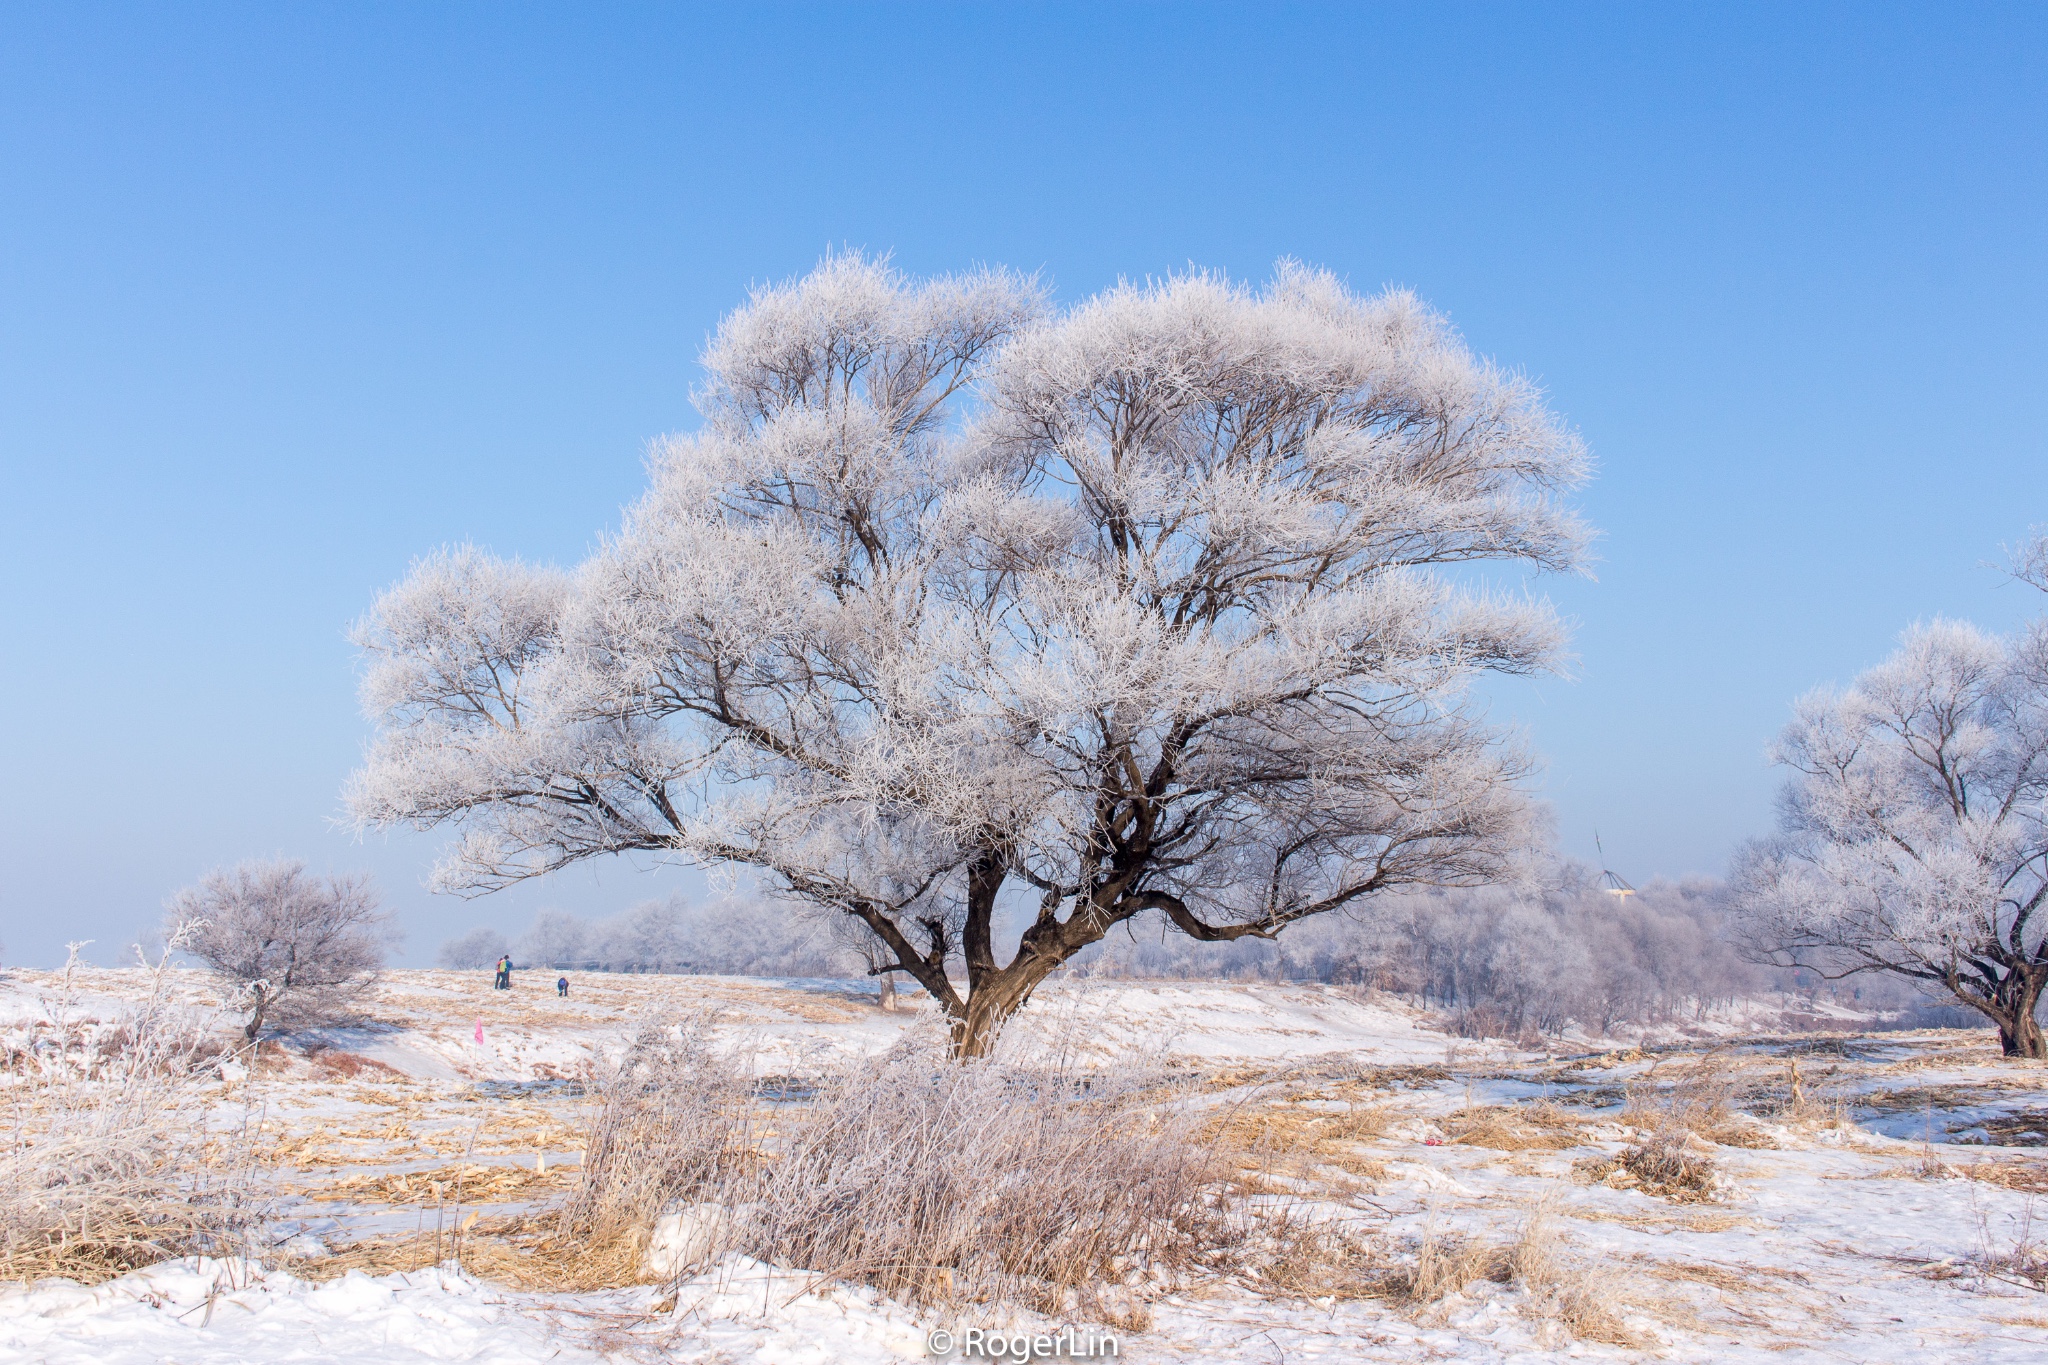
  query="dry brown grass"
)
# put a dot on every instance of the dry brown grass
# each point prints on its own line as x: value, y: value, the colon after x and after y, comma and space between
x: 1584, y: 1300
x: 1679, y: 1126
x: 1323, y: 1260
x: 1674, y: 1166
x: 113, y: 1158
x: 933, y: 1181
x: 1723, y: 1278
x: 1516, y: 1128
x: 673, y: 1122
x: 331, y: 1063
x: 1285, y: 1130
x: 1445, y: 1263
x: 1927, y: 1098
x: 1701, y: 1100
x: 455, y: 1186
x: 525, y: 1252
x: 2029, y: 1129
x: 1587, y: 1301
x: 999, y: 1181
x: 1657, y: 1221
x: 2011, y: 1173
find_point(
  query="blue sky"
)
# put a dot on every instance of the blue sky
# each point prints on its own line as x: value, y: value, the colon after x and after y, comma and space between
x: 290, y: 294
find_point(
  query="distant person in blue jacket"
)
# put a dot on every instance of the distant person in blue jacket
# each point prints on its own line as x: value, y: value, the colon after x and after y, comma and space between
x: 562, y: 987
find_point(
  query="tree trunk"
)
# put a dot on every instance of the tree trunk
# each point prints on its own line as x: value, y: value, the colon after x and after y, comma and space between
x: 2019, y: 1034
x: 994, y: 999
x: 2023, y: 1039
x: 988, y: 1008
x: 2011, y: 1006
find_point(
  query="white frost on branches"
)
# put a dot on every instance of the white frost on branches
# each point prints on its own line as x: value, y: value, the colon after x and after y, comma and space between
x: 1132, y: 606
x: 1915, y: 826
x: 302, y: 950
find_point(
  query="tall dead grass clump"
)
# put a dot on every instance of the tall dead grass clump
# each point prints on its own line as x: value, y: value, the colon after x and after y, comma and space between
x: 1585, y: 1301
x: 1001, y: 1180
x: 1323, y: 1258
x: 1678, y: 1127
x: 1011, y: 1180
x: 1515, y: 1128
x: 674, y: 1122
x: 114, y: 1159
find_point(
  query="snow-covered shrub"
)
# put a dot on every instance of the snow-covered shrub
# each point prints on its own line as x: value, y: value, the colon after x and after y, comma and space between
x: 1020, y: 1181
x: 299, y: 950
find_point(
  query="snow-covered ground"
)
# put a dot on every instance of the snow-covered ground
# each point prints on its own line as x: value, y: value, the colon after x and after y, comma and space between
x: 1873, y: 1191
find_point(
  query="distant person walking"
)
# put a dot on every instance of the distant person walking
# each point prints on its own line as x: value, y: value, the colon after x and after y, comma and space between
x: 504, y: 979
x: 562, y: 987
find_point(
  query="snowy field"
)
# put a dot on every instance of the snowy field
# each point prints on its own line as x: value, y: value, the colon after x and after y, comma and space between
x: 1830, y: 1197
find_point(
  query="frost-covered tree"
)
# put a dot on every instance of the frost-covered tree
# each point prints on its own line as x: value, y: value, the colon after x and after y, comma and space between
x: 301, y: 950
x: 955, y: 601
x: 651, y: 937
x: 556, y: 938
x: 2030, y: 560
x: 477, y: 948
x: 1914, y: 830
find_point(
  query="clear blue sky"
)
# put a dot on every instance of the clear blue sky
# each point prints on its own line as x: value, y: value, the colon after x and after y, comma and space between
x: 291, y: 293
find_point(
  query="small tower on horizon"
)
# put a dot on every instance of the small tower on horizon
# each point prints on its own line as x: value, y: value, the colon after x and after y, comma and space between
x: 1612, y: 882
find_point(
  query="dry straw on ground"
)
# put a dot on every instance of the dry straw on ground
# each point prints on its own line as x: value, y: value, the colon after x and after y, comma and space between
x: 1019, y: 1180
x: 1678, y: 1128
x: 1514, y: 1128
x: 113, y: 1160
x: 1325, y: 1259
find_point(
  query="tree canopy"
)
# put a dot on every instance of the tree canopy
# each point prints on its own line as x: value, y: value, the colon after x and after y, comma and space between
x: 1136, y: 605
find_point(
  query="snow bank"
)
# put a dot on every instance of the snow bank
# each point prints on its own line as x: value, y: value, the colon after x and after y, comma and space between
x: 208, y: 1312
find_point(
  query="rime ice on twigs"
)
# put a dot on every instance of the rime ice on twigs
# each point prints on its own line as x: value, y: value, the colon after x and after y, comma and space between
x: 1124, y: 608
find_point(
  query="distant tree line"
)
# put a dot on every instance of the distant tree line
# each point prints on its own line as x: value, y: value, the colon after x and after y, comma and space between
x: 726, y: 937
x: 1509, y: 961
x: 1498, y: 961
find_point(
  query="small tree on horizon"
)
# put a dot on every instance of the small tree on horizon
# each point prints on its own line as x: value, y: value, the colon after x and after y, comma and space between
x: 1914, y: 831
x: 956, y: 602
x: 301, y: 950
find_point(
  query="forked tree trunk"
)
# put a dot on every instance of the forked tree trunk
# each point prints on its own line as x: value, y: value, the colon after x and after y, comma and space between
x: 2012, y: 1008
x: 989, y: 1005
x: 2019, y: 1031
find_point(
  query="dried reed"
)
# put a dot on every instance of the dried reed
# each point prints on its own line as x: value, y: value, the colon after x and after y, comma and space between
x: 674, y: 1122
x: 1018, y: 1180
x: 112, y: 1158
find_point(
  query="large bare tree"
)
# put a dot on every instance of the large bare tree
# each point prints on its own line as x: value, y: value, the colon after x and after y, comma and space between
x: 301, y: 950
x: 956, y: 602
x: 1914, y: 829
